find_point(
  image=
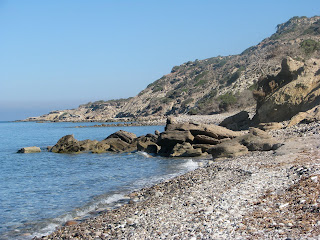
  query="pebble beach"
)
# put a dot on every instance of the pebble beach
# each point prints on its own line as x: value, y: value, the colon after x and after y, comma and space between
x: 261, y: 195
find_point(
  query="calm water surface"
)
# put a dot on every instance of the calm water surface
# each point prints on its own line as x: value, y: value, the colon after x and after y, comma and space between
x: 41, y: 191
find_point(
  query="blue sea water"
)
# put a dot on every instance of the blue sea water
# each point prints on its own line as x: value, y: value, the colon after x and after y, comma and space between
x: 40, y: 191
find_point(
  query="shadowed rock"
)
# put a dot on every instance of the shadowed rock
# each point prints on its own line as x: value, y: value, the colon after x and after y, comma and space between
x: 228, y: 149
x: 66, y: 144
x: 185, y: 150
x: 239, y: 121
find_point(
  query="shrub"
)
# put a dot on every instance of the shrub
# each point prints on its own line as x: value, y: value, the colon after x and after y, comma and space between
x: 309, y: 46
x: 175, y: 69
x: 157, y: 89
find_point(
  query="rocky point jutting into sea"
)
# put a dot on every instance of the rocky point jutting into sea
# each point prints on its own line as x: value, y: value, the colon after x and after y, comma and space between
x: 261, y: 177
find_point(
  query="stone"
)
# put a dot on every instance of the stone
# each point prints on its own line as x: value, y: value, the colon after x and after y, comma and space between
x: 175, y: 136
x: 118, y: 145
x: 311, y: 115
x: 204, y: 147
x: 66, y: 144
x: 239, y: 121
x: 270, y: 126
x: 148, y: 147
x: 101, y: 147
x: 29, y: 150
x: 70, y: 223
x: 295, y: 89
x: 211, y: 130
x: 87, y: 145
x: 228, y: 149
x: 168, y: 139
x: 258, y: 140
x: 125, y: 136
x: 185, y: 150
x: 203, y: 139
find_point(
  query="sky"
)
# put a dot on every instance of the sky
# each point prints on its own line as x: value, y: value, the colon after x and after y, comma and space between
x: 59, y: 54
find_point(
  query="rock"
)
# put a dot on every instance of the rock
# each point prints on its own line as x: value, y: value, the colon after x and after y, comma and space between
x: 101, y: 147
x: 239, y: 121
x: 228, y: 149
x: 203, y: 139
x: 66, y: 144
x: 311, y: 115
x: 70, y: 223
x: 270, y: 126
x: 258, y: 140
x: 185, y: 150
x: 148, y: 147
x: 295, y: 89
x: 118, y: 145
x: 173, y: 136
x: 29, y: 150
x: 203, y: 147
x: 124, y: 136
x: 168, y: 139
x: 88, y: 145
x: 213, y: 131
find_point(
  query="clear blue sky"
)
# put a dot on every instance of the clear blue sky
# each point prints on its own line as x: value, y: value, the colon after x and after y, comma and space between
x: 59, y: 54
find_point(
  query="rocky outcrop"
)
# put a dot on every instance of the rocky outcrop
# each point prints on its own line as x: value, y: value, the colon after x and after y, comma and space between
x: 228, y: 149
x: 185, y: 150
x: 295, y: 89
x: 258, y: 140
x: 237, y: 122
x: 179, y: 140
x: 306, y: 117
x: 66, y: 144
x: 125, y: 136
x: 29, y: 150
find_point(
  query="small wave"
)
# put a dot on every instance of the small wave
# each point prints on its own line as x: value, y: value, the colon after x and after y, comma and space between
x: 144, y: 154
x: 190, y: 165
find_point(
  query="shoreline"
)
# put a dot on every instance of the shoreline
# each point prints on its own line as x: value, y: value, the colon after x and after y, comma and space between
x: 214, y: 201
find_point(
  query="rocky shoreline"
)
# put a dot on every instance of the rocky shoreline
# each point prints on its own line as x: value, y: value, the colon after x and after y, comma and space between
x: 270, y: 194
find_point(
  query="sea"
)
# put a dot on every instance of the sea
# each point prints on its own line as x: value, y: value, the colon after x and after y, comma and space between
x: 41, y: 191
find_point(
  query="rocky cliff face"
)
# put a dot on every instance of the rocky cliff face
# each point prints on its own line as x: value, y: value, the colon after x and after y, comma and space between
x: 212, y: 85
x: 295, y: 89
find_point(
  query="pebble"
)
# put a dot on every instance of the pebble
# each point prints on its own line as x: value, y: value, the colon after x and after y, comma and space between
x: 217, y: 200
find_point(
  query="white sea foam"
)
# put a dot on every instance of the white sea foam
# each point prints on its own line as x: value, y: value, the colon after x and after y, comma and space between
x: 190, y: 165
x: 144, y: 154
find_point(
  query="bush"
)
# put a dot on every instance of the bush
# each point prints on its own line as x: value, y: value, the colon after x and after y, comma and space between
x: 157, y: 89
x: 309, y: 46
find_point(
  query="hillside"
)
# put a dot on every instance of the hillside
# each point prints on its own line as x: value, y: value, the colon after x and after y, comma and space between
x: 211, y: 85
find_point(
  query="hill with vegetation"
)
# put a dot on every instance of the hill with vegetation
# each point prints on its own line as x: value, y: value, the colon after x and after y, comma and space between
x: 211, y: 85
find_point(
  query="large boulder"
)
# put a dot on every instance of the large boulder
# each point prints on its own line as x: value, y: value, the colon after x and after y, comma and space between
x: 295, y: 89
x: 88, y: 145
x: 29, y: 150
x: 212, y: 130
x: 125, y: 136
x: 101, y: 147
x: 148, y: 147
x: 306, y: 117
x: 185, y: 150
x: 239, y: 121
x: 228, y: 149
x: 118, y: 145
x: 66, y: 144
x: 168, y: 139
x: 258, y: 140
x: 203, y: 139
